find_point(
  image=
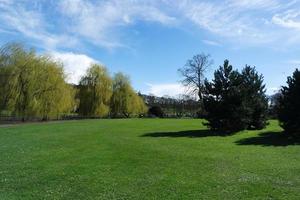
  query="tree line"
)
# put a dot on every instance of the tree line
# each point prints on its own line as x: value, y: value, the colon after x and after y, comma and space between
x: 34, y: 86
x: 171, y: 107
x: 100, y: 95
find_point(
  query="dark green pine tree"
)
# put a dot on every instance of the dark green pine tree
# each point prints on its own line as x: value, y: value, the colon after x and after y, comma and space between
x: 223, y: 100
x: 255, y: 98
x: 289, y: 105
x: 235, y: 101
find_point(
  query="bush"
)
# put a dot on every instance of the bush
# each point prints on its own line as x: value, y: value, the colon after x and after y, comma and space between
x: 289, y: 105
x: 156, y: 111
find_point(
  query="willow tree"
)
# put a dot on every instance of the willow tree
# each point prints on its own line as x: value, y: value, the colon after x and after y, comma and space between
x: 35, y: 85
x: 125, y: 101
x: 7, y: 52
x: 54, y: 97
x: 95, y: 90
x: 139, y: 106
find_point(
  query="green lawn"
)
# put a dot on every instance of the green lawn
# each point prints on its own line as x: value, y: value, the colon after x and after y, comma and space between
x: 145, y: 159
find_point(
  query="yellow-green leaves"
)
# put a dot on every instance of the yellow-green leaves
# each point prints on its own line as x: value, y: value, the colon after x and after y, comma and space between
x: 35, y: 85
x: 100, y: 96
x: 95, y: 90
x: 125, y: 101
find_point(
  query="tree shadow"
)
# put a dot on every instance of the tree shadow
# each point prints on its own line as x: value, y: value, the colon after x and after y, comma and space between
x: 270, y: 139
x: 187, y: 133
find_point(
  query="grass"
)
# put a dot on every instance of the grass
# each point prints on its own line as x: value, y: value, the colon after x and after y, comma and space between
x: 145, y: 159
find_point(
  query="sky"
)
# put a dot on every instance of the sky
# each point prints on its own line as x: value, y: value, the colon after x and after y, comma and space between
x: 150, y: 39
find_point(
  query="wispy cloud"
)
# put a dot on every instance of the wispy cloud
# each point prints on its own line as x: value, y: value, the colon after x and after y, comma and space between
x: 288, y: 19
x: 75, y: 21
x: 255, y: 4
x: 16, y: 18
x: 228, y: 19
x: 245, y: 22
x: 104, y: 23
x: 100, y: 22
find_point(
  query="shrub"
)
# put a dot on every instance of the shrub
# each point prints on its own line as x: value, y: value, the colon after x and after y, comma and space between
x: 156, y: 111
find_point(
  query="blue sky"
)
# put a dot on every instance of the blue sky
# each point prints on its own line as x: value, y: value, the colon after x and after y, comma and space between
x: 150, y: 39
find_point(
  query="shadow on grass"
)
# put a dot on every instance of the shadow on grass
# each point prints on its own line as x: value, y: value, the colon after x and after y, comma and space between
x: 270, y: 139
x: 188, y: 133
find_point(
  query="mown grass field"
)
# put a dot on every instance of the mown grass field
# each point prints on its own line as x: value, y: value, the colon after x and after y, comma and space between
x: 145, y: 159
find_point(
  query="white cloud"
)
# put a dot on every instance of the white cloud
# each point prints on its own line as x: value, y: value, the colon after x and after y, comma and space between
x: 255, y: 4
x: 99, y: 22
x: 75, y: 64
x: 226, y: 19
x: 103, y: 23
x: 170, y: 89
x: 31, y: 24
x: 242, y: 22
x: 288, y: 19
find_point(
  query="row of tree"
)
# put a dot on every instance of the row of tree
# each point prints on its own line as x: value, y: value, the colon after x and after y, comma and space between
x: 101, y: 96
x: 166, y: 106
x: 34, y: 86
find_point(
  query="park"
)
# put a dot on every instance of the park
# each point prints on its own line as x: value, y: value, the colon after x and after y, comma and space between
x: 101, y: 139
x: 152, y: 99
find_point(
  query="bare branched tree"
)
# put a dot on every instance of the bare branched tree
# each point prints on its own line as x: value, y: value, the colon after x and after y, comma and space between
x: 193, y: 73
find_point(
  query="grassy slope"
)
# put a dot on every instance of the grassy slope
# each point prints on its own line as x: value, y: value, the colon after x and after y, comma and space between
x: 144, y: 159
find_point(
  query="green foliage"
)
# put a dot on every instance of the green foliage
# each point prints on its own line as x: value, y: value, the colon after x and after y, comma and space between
x: 125, y: 101
x: 35, y: 85
x: 53, y: 95
x: 156, y: 111
x: 95, y: 91
x: 255, y: 98
x: 181, y: 106
x: 139, y: 107
x: 289, y: 105
x: 235, y: 101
